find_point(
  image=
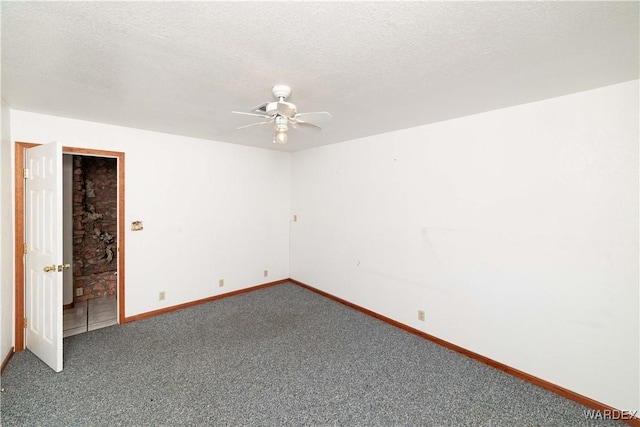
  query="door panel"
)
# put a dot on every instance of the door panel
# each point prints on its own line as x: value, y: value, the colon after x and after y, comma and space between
x: 43, y: 260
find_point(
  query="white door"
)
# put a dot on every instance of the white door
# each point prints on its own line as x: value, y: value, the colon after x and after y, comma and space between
x: 43, y: 259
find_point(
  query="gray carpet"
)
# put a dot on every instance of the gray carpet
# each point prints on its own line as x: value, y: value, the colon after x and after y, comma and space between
x: 273, y: 357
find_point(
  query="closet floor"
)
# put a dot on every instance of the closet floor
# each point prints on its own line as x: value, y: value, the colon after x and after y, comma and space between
x: 89, y: 315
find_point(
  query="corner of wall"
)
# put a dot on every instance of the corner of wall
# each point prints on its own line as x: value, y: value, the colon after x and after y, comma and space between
x: 6, y: 235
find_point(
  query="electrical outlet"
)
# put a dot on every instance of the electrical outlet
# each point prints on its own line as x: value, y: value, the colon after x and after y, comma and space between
x: 79, y: 292
x: 266, y: 273
x: 161, y: 296
x: 421, y: 315
x: 220, y: 283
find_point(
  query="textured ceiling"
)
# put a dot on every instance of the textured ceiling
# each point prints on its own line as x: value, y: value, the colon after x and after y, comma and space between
x: 181, y: 67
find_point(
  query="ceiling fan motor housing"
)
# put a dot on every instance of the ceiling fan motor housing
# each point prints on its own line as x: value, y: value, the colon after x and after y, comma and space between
x: 272, y: 108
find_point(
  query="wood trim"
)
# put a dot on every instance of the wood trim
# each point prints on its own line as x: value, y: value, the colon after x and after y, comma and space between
x: 68, y: 306
x: 583, y: 400
x: 5, y: 361
x: 91, y: 152
x: 121, y: 233
x: 166, y: 310
x: 19, y: 230
x: 19, y: 242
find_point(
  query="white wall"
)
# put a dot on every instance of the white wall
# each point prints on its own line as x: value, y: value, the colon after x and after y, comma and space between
x: 6, y: 237
x: 210, y: 210
x: 515, y: 230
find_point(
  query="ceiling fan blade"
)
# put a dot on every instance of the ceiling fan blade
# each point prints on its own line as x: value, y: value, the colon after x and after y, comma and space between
x: 264, y: 116
x: 306, y: 126
x: 255, y: 124
x: 286, y: 109
x: 318, y: 117
x: 260, y: 109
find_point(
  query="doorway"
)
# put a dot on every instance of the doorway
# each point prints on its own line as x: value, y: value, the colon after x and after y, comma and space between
x: 117, y: 248
x: 90, y: 239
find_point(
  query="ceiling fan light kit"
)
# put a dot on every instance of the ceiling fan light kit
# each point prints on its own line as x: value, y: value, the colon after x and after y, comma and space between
x: 283, y: 115
x: 280, y: 138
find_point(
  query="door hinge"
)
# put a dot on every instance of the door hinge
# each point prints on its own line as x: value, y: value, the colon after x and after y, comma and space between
x: 26, y: 173
x: 25, y: 249
x: 25, y: 323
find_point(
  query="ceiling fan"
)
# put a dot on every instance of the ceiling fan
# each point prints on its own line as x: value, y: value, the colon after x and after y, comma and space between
x: 283, y: 115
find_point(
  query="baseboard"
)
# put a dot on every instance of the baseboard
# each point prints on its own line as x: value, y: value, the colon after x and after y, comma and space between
x: 153, y: 313
x: 5, y: 361
x: 576, y: 397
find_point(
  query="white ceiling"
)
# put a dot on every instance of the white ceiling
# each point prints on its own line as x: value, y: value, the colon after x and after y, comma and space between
x: 181, y: 67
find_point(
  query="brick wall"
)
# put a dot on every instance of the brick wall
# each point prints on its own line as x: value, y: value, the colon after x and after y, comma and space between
x: 95, y: 207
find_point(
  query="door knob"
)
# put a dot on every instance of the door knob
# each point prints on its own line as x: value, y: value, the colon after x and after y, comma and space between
x: 63, y: 266
x: 49, y: 268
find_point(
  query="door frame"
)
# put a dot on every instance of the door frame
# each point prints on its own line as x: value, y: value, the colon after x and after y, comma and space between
x: 19, y: 231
